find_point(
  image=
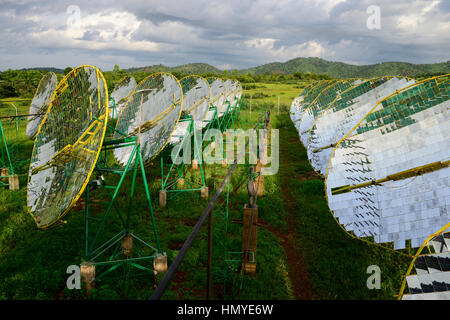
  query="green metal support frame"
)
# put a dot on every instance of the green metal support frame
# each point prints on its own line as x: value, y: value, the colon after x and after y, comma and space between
x: 232, y: 116
x: 223, y: 120
x: 5, y: 159
x: 106, y: 255
x: 112, y: 105
x: 10, y: 149
x: 214, y: 122
x: 242, y: 103
x: 14, y: 145
x: 237, y: 112
x: 170, y: 178
x: 231, y: 261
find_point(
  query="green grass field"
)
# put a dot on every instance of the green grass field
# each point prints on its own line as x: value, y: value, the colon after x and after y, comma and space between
x: 297, y: 224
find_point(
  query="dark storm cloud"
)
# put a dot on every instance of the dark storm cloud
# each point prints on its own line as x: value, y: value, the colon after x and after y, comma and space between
x: 227, y: 34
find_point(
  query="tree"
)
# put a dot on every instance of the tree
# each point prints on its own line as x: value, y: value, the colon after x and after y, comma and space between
x: 298, y: 75
x: 116, y: 68
x: 7, y: 90
x: 67, y: 70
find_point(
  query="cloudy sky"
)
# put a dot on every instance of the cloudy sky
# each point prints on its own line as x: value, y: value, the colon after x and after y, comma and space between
x: 227, y: 34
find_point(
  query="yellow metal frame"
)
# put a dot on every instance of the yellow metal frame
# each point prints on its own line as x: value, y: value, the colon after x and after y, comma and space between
x: 396, y: 176
x: 66, y: 153
x: 60, y: 88
x: 149, y: 124
x: 309, y: 89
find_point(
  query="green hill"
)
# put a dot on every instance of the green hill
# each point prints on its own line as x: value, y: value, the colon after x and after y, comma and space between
x: 313, y: 65
x: 300, y: 65
x: 191, y: 68
x: 343, y: 70
x: 46, y: 69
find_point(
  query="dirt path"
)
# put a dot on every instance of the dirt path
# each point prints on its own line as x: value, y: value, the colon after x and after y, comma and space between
x: 297, y: 272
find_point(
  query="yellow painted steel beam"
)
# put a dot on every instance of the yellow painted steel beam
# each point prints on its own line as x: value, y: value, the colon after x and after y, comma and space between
x: 395, y: 177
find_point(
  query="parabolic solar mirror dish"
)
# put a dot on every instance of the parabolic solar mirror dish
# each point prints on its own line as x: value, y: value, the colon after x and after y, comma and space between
x: 309, y: 98
x: 40, y: 103
x: 120, y: 94
x: 234, y: 98
x: 230, y: 87
x: 389, y: 178
x: 218, y: 94
x: 238, y: 91
x: 345, y: 112
x: 67, y: 145
x: 295, y: 106
x: 318, y: 105
x: 152, y: 113
x: 196, y: 98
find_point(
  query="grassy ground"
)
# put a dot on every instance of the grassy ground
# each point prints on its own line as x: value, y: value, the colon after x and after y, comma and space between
x: 33, y: 262
x: 271, y: 92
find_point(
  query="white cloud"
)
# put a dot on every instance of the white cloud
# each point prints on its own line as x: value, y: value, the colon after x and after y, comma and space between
x: 237, y: 33
x: 112, y: 30
x: 268, y: 47
x: 414, y: 20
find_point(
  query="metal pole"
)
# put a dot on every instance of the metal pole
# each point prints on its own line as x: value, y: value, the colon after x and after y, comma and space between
x: 278, y: 104
x: 2, y: 137
x: 208, y: 272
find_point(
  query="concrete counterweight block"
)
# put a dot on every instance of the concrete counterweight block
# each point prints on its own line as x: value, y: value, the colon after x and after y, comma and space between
x: 249, y: 268
x: 204, y: 192
x: 87, y: 270
x: 195, y: 164
x: 249, y: 239
x: 160, y: 263
x: 13, y: 182
x: 162, y: 198
x: 127, y: 245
